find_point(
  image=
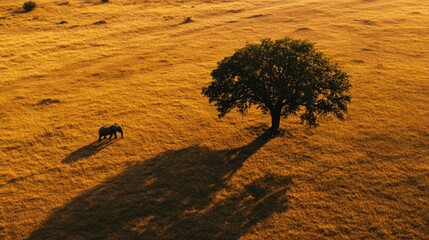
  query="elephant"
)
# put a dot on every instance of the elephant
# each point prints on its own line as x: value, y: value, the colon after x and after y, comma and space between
x: 110, y: 130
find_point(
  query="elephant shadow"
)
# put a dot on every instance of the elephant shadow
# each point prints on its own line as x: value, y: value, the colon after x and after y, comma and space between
x: 180, y: 194
x: 88, y: 150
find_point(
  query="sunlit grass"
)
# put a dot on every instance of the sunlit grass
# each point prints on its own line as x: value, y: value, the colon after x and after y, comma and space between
x: 179, y: 171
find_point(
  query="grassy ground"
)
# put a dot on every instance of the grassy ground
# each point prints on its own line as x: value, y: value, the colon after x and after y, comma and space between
x: 180, y: 172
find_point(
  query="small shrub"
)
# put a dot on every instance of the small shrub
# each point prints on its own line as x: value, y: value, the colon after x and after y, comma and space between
x: 187, y: 20
x: 47, y: 101
x: 100, y: 22
x: 63, y: 3
x: 104, y: 1
x: 29, y: 6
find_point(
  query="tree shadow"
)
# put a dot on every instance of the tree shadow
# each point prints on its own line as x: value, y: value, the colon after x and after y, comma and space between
x: 240, y: 155
x: 88, y: 150
x: 181, y: 194
x: 265, y: 129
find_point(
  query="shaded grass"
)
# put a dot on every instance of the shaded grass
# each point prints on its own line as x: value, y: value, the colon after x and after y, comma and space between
x: 88, y: 150
x: 174, y: 195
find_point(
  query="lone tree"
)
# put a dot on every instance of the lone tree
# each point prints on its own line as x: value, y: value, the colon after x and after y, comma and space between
x: 283, y: 77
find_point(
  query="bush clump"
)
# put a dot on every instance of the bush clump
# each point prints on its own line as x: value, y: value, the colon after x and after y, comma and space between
x: 29, y: 6
x: 187, y: 20
x: 104, y: 1
x: 48, y: 101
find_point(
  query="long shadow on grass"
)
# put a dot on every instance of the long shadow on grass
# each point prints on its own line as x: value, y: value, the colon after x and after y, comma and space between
x: 179, y: 194
x: 88, y: 150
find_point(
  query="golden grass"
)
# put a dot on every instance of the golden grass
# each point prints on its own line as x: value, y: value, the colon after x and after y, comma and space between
x: 181, y: 172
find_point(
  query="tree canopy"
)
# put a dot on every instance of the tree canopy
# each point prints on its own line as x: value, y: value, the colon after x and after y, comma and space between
x: 283, y: 78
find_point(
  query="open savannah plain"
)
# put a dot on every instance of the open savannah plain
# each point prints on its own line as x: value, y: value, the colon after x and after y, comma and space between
x: 69, y: 67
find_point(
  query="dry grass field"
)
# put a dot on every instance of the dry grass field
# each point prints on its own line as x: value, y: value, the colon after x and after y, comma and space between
x: 182, y: 173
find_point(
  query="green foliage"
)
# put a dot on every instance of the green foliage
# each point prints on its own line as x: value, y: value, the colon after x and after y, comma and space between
x: 282, y: 77
x: 104, y: 1
x: 29, y: 6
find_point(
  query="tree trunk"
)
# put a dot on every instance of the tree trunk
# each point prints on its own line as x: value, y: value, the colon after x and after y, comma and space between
x: 275, y: 121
